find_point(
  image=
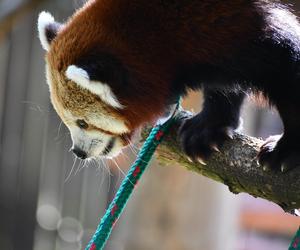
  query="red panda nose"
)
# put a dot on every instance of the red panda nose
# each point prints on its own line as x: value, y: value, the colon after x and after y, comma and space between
x: 79, y: 153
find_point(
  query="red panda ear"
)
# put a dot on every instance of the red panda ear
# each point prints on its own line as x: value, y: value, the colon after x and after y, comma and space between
x: 47, y: 28
x: 82, y: 78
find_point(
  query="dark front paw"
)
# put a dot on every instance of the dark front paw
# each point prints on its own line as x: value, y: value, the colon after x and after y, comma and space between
x: 199, y: 139
x: 278, y: 153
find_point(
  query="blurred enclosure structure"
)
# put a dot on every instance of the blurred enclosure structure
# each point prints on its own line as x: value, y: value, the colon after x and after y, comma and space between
x: 50, y: 201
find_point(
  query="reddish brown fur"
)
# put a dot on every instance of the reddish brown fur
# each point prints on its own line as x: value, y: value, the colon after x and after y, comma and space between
x: 161, y: 48
x: 150, y: 39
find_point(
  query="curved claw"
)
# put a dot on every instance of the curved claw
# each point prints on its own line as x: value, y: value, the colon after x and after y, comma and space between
x: 215, y: 148
x: 230, y: 132
x: 201, y: 161
x: 190, y: 160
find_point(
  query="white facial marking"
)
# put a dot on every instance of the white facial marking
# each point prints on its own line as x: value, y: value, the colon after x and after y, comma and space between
x: 109, y: 123
x: 105, y: 122
x: 44, y: 20
x: 94, y: 143
x: 88, y: 141
x: 81, y: 77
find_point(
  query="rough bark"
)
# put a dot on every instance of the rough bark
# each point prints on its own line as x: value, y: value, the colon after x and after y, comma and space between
x: 236, y: 166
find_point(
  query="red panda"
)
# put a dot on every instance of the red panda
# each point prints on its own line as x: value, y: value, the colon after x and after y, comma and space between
x: 117, y: 64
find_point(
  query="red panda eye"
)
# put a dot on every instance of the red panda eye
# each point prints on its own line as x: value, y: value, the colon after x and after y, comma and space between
x: 82, y: 124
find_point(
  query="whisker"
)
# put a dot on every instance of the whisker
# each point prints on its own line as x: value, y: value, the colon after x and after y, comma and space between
x: 135, y: 152
x: 104, y: 163
x: 82, y: 163
x: 100, y: 169
x: 71, y: 171
x: 132, y: 150
x: 36, y: 107
x: 125, y: 156
x: 58, y: 131
x: 119, y: 173
x: 133, y: 147
x: 78, y: 167
x: 114, y: 161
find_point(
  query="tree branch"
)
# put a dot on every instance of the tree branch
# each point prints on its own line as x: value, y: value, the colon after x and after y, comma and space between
x: 236, y: 166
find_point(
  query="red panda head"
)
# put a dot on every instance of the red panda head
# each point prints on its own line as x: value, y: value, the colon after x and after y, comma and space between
x: 97, y: 87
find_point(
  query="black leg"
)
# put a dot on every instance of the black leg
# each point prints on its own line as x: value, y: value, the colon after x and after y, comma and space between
x: 283, y: 152
x: 207, y: 131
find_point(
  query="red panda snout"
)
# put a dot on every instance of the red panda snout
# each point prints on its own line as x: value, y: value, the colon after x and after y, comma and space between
x: 93, y: 144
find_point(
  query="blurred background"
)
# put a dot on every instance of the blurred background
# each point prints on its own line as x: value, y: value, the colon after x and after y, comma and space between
x: 48, y: 200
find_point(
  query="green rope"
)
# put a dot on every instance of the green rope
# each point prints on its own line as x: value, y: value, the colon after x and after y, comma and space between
x: 137, y: 169
x: 295, y: 245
